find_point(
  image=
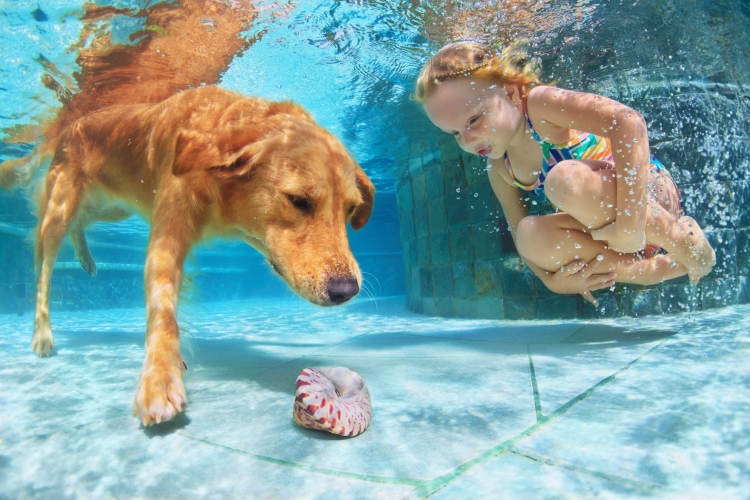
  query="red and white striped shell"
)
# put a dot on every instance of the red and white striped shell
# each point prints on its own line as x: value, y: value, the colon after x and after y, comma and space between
x: 334, y: 399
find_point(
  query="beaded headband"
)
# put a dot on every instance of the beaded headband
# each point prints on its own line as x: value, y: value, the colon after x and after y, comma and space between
x: 465, y: 72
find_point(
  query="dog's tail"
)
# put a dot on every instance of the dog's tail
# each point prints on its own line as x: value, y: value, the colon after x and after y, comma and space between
x: 20, y: 172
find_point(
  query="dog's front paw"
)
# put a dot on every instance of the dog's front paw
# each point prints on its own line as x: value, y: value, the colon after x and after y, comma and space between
x: 161, y: 393
x: 42, y: 342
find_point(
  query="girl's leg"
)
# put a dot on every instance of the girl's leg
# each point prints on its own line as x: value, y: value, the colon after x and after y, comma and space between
x: 586, y: 190
x: 555, y: 240
x: 682, y: 238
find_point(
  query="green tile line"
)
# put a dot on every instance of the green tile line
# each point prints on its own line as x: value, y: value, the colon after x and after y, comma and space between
x: 537, y: 401
x: 575, y: 332
x: 652, y: 488
x: 423, y: 488
x: 427, y: 487
x: 440, y: 482
x: 309, y: 468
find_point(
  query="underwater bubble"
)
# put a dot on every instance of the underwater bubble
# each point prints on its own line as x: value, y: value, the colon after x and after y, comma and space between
x: 577, y: 245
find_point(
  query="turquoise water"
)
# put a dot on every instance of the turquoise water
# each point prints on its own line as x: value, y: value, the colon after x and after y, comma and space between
x: 644, y: 408
x: 652, y: 407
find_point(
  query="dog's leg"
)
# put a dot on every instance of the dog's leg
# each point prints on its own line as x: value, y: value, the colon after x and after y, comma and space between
x: 161, y: 393
x: 58, y: 211
x: 77, y: 236
x: 82, y: 250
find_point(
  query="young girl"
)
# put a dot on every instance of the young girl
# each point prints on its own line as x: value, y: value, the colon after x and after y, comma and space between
x: 588, y: 154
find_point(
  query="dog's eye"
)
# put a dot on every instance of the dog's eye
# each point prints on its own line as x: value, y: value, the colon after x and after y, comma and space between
x: 300, y: 203
x: 351, y: 210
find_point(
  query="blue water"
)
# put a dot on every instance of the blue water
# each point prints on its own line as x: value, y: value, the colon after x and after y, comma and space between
x: 628, y: 408
x: 351, y: 64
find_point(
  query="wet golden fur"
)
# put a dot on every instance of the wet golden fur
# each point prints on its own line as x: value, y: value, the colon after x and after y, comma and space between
x: 185, y: 44
x: 206, y: 162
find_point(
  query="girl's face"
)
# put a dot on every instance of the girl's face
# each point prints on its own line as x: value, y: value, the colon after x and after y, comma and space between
x: 478, y: 113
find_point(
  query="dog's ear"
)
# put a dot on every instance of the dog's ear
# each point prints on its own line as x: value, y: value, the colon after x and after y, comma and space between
x: 367, y: 190
x: 227, y: 147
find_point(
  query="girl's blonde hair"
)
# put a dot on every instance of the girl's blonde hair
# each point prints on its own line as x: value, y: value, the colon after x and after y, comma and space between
x: 462, y: 59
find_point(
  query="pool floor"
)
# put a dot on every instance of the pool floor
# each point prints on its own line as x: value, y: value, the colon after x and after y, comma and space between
x: 646, y: 407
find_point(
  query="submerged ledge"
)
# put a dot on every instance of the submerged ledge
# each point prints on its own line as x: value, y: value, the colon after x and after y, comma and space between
x: 111, y: 266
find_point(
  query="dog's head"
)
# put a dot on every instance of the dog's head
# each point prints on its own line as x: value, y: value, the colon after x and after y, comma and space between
x: 289, y: 187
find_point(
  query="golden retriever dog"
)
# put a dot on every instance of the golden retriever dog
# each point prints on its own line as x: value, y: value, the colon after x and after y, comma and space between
x: 204, y: 163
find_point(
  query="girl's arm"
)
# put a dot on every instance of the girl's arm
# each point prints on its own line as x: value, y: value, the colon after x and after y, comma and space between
x: 554, y: 111
x: 510, y: 197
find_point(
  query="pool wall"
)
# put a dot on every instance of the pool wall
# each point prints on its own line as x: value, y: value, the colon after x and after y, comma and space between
x: 216, y: 270
x: 690, y: 81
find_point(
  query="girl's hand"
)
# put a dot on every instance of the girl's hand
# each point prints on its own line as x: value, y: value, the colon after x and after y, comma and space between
x: 620, y: 241
x: 579, y: 277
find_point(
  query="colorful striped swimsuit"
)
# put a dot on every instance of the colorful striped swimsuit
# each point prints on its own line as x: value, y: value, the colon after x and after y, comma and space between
x: 587, y: 146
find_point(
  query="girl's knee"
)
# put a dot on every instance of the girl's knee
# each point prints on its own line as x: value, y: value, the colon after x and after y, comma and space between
x: 528, y: 233
x: 561, y: 180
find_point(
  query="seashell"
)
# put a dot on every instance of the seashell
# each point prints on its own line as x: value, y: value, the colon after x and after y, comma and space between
x: 333, y: 399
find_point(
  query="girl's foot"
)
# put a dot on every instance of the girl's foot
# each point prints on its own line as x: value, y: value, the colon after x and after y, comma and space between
x: 693, y: 249
x: 656, y: 269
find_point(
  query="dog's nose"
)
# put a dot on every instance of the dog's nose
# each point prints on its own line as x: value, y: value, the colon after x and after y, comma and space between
x: 342, y: 289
